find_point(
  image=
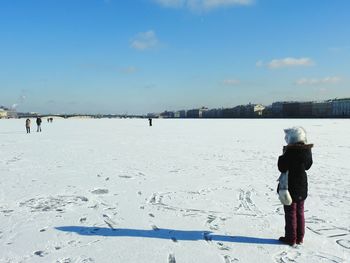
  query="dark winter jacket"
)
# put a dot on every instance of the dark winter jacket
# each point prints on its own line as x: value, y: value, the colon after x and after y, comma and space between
x: 38, y: 121
x: 296, y: 159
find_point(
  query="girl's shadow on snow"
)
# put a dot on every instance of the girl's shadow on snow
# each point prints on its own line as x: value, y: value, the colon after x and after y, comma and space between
x: 165, y: 234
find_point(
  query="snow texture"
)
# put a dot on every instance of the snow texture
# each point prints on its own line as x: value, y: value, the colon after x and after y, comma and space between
x: 117, y: 190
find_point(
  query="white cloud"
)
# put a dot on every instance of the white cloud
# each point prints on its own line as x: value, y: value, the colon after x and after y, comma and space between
x: 230, y: 82
x: 259, y: 63
x: 145, y: 40
x: 317, y: 81
x: 290, y: 62
x: 203, y: 5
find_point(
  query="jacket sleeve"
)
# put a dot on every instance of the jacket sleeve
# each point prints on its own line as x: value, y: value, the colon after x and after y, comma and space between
x: 308, y: 161
x: 283, y: 162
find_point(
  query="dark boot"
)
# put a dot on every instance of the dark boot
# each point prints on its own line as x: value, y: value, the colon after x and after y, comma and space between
x: 287, y: 241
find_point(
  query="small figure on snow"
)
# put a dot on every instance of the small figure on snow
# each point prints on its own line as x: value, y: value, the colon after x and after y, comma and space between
x: 296, y: 158
x: 38, y: 123
x: 28, y: 125
x: 150, y: 121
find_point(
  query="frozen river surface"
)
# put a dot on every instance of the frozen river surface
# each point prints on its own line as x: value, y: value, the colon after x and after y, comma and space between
x: 180, y: 191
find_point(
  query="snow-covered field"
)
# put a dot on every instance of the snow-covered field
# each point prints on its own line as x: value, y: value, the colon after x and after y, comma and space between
x: 180, y: 191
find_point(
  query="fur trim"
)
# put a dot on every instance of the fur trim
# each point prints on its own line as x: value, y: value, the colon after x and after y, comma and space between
x: 298, y: 146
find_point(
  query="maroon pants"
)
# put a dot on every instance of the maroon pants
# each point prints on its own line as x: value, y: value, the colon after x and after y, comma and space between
x: 295, y: 221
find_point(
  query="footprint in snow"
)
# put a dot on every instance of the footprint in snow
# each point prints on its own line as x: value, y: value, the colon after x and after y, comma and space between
x: 221, y: 246
x: 287, y: 256
x: 109, y: 222
x: 64, y: 260
x: 7, y: 211
x: 211, y: 218
x: 345, y: 243
x: 40, y: 253
x: 171, y: 258
x: 100, y: 191
x: 52, y: 203
x: 227, y: 259
x: 88, y: 260
x: 74, y: 243
x: 125, y: 176
x: 155, y: 228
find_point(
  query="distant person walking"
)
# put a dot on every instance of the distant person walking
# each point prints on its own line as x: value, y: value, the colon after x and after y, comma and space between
x: 296, y: 158
x: 28, y: 125
x: 38, y: 123
x: 150, y: 121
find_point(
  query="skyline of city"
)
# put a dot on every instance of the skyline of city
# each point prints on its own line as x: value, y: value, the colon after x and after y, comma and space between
x: 331, y: 108
x: 108, y: 56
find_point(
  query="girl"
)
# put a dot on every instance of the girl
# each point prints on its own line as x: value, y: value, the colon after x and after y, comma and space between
x: 296, y: 158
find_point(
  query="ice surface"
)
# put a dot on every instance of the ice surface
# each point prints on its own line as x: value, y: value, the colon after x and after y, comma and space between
x: 112, y: 190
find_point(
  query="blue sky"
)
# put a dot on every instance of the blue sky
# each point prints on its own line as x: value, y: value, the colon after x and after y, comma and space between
x: 140, y: 56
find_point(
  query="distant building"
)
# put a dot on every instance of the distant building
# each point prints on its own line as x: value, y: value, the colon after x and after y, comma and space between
x: 167, y: 114
x: 277, y: 109
x: 255, y: 110
x: 3, y: 113
x: 7, y: 113
x: 27, y: 114
x: 196, y: 113
x: 231, y: 112
x: 213, y: 113
x: 152, y: 115
x: 192, y: 113
x: 341, y: 107
x: 244, y: 111
x: 291, y: 109
x: 12, y: 114
x: 295, y: 109
x: 305, y: 109
x: 322, y: 109
x: 202, y: 111
x: 249, y: 110
x: 180, y: 114
x: 267, y: 111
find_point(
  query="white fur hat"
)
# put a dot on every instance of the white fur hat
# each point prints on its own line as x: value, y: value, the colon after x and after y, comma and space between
x: 295, y: 135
